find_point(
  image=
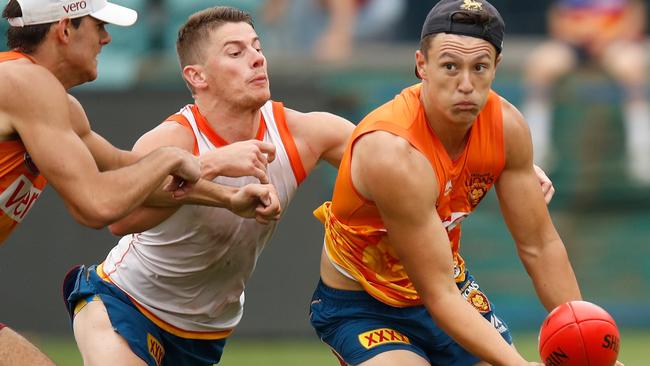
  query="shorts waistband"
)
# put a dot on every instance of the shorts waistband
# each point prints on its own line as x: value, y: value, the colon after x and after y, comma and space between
x: 342, y: 295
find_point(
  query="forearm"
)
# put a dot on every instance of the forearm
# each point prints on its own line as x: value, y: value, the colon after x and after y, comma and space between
x: 467, y: 327
x: 115, y: 193
x: 204, y: 193
x: 551, y: 273
x: 126, y: 158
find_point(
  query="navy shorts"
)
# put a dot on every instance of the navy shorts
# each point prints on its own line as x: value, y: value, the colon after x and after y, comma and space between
x: 152, y: 344
x: 358, y: 327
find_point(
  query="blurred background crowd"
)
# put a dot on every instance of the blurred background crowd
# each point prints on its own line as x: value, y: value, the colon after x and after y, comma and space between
x: 576, y: 68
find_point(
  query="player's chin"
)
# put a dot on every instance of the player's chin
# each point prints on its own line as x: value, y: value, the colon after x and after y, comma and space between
x: 261, y: 92
x: 464, y: 115
x: 91, y: 75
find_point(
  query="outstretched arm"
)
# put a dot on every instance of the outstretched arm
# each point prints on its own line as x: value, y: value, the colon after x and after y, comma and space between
x: 539, y: 246
x: 383, y: 167
x: 257, y: 201
x: 94, y: 198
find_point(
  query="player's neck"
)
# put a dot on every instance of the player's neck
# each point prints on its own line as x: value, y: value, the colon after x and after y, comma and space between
x: 230, y: 122
x: 48, y: 57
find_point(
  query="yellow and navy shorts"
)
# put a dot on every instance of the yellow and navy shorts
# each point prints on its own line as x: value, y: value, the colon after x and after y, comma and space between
x: 152, y: 344
x: 358, y: 327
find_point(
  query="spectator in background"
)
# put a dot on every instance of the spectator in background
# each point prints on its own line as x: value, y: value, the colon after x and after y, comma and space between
x: 330, y: 28
x: 608, y: 32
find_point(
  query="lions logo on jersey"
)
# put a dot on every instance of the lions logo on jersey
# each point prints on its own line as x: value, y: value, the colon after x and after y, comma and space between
x: 477, y: 187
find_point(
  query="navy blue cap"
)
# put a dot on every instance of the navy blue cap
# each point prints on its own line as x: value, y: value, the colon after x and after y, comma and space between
x: 474, y: 18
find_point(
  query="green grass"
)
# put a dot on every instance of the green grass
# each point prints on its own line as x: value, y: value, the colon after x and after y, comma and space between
x: 243, y: 352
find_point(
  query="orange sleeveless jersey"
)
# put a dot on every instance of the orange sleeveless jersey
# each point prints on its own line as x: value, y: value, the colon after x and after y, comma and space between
x: 355, y: 237
x: 20, y: 182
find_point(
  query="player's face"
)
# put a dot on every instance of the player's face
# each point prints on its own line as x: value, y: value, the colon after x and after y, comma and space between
x: 457, y: 75
x: 85, y: 44
x: 236, y: 67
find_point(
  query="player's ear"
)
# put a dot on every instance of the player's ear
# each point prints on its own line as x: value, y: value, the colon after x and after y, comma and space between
x: 61, y: 30
x: 194, y: 76
x: 420, y: 64
x: 498, y: 60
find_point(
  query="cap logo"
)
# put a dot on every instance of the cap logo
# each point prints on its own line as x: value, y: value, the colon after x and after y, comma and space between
x: 74, y: 7
x: 472, y: 5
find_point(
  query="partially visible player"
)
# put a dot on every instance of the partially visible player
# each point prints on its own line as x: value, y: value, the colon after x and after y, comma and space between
x: 177, y: 283
x: 395, y: 289
x: 45, y: 134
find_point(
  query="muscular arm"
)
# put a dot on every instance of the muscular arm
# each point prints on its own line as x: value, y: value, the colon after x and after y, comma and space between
x: 539, y: 246
x: 94, y: 198
x: 319, y: 136
x: 383, y: 167
x: 243, y: 201
x: 107, y: 157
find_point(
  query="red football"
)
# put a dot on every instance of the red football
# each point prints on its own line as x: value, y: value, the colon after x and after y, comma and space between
x: 579, y: 333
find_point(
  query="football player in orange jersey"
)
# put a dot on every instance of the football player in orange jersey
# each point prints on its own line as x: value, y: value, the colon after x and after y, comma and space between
x: 395, y: 289
x: 141, y: 283
x: 45, y: 135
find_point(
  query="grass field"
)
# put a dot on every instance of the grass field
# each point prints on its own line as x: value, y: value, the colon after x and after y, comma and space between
x: 635, y: 351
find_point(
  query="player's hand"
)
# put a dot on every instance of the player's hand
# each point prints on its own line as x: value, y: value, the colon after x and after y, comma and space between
x: 244, y: 158
x: 186, y: 173
x: 178, y: 187
x: 619, y: 363
x: 547, y: 186
x: 259, y: 201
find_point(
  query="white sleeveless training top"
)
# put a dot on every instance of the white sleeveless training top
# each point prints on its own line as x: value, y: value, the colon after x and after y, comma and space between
x: 188, y: 274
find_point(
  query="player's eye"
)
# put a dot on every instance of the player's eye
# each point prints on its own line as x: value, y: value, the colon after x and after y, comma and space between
x: 449, y: 66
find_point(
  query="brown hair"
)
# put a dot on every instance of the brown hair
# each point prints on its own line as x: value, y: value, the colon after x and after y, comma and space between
x: 26, y: 39
x: 196, y: 31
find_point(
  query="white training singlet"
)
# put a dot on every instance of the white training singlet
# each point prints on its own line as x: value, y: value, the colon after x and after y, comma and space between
x: 189, y: 272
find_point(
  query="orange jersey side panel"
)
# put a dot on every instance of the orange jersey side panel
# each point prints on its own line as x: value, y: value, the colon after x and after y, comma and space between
x: 355, y: 237
x: 20, y: 182
x: 20, y: 185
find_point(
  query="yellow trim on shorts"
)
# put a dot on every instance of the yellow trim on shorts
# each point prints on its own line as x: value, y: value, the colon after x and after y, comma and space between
x: 82, y: 303
x: 163, y: 324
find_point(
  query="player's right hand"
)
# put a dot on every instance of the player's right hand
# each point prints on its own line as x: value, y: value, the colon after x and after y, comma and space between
x: 239, y: 159
x: 259, y: 201
x: 188, y: 168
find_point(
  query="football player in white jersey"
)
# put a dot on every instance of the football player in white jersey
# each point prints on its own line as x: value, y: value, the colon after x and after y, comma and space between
x: 171, y: 293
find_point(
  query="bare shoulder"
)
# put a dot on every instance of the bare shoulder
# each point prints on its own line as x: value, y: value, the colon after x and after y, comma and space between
x: 319, y: 136
x: 383, y: 160
x: 29, y: 90
x: 315, y: 122
x: 516, y: 134
x: 166, y: 134
x: 28, y: 81
x: 514, y: 123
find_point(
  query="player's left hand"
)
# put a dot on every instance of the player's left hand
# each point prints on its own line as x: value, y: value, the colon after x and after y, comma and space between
x: 619, y: 363
x: 547, y: 186
x: 259, y: 201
